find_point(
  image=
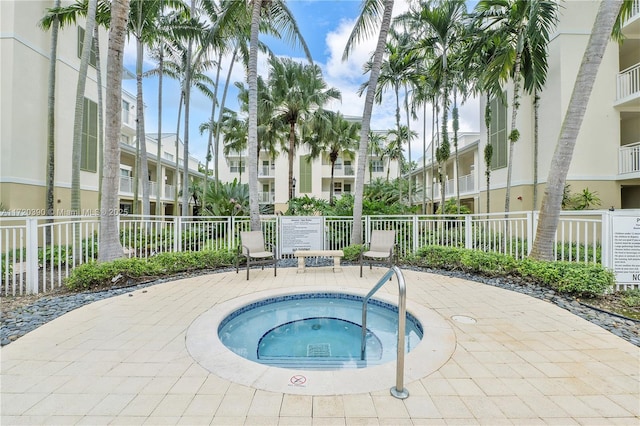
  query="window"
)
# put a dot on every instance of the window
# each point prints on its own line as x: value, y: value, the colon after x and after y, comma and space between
x: 498, y: 133
x: 125, y: 112
x: 348, y: 169
x: 347, y: 188
x: 237, y: 166
x: 304, y: 184
x: 92, y: 56
x: 125, y: 139
x: 89, y: 148
x: 337, y: 188
x: 376, y: 166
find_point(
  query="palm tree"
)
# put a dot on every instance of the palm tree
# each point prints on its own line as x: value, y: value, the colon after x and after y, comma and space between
x: 280, y: 22
x: 333, y: 135
x: 51, y: 107
x: 372, y: 12
x: 109, y: 243
x: 524, y: 26
x: 609, y: 13
x: 296, y: 90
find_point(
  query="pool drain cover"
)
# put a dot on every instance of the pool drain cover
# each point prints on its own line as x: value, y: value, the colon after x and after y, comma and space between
x: 464, y: 319
x: 319, y: 350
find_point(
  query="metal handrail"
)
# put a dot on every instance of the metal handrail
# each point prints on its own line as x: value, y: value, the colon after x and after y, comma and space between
x: 398, y: 391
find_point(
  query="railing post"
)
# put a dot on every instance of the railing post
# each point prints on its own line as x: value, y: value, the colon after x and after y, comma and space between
x: 534, y: 228
x: 177, y: 232
x: 605, y: 239
x: 32, y: 255
x: 530, y: 230
x: 468, y: 232
x: 415, y: 234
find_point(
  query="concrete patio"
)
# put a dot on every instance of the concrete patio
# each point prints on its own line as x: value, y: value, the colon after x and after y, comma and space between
x: 130, y: 360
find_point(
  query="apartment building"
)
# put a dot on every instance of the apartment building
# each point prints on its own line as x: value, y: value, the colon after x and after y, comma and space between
x: 312, y: 177
x: 24, y: 53
x: 606, y: 160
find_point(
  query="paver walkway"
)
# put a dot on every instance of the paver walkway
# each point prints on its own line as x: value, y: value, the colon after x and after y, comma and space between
x: 125, y: 360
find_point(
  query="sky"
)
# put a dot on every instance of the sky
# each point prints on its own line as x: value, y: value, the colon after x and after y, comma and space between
x: 325, y: 26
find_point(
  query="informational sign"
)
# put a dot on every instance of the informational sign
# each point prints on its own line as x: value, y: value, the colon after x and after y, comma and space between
x: 301, y: 233
x: 626, y: 249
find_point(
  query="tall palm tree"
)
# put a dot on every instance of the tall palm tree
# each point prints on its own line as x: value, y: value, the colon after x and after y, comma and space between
x: 525, y: 27
x: 51, y: 116
x: 371, y: 13
x: 609, y: 13
x: 109, y: 244
x: 281, y: 21
x: 297, y: 90
x: 332, y: 135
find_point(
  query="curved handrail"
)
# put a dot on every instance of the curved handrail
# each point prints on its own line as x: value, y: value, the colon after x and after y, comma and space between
x: 398, y: 391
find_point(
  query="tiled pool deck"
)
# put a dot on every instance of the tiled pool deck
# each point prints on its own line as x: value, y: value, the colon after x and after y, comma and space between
x: 131, y: 359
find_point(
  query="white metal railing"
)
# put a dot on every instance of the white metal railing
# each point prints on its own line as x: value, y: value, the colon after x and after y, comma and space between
x: 467, y: 183
x: 266, y: 171
x: 168, y: 191
x: 153, y: 188
x: 266, y: 197
x: 628, y: 82
x: 126, y: 185
x: 38, y: 253
x: 629, y: 158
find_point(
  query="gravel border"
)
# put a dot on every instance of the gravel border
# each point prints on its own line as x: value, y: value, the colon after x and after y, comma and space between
x: 19, y: 322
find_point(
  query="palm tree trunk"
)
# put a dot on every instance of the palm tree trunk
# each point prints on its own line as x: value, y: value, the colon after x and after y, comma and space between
x: 252, y: 137
x: 109, y: 243
x: 488, y: 151
x: 212, y: 128
x: 51, y: 121
x: 356, y: 234
x: 76, y: 152
x: 143, y: 163
x: 455, y: 146
x: 216, y: 143
x: 513, y: 135
x: 424, y: 158
x: 552, y: 201
x: 176, y: 179
x: 292, y: 153
x: 333, y: 164
x: 100, y: 116
x: 187, y: 98
x: 406, y: 106
x: 159, y: 180
x: 536, y: 116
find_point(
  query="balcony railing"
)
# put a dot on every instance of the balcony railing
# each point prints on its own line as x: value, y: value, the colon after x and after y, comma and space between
x: 266, y: 197
x: 266, y: 171
x: 628, y: 82
x: 467, y: 184
x: 629, y: 160
x: 126, y: 188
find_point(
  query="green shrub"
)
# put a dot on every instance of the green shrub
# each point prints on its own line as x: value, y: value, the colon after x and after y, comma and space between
x: 352, y: 252
x: 631, y: 298
x: 440, y: 257
x: 488, y: 263
x: 579, y: 279
x: 95, y: 274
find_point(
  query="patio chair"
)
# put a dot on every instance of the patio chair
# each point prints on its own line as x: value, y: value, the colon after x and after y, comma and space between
x: 381, y: 247
x: 253, y: 248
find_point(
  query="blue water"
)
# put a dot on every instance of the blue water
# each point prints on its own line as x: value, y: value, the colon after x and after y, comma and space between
x: 317, y: 330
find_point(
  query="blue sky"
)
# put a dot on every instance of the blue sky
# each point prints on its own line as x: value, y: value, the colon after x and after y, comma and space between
x: 325, y: 26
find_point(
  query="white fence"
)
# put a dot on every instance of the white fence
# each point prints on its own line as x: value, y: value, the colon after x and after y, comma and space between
x: 37, y: 253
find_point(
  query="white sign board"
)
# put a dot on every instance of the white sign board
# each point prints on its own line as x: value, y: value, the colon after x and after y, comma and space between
x: 301, y: 233
x: 626, y: 249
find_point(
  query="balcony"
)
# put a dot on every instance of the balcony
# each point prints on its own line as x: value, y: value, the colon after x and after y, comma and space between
x: 629, y: 159
x: 631, y: 26
x: 266, y: 197
x: 628, y: 87
x: 266, y: 171
x: 126, y: 188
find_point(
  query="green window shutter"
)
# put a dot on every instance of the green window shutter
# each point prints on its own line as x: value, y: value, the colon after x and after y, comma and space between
x: 92, y: 55
x: 89, y: 150
x: 305, y: 175
x: 498, y: 133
